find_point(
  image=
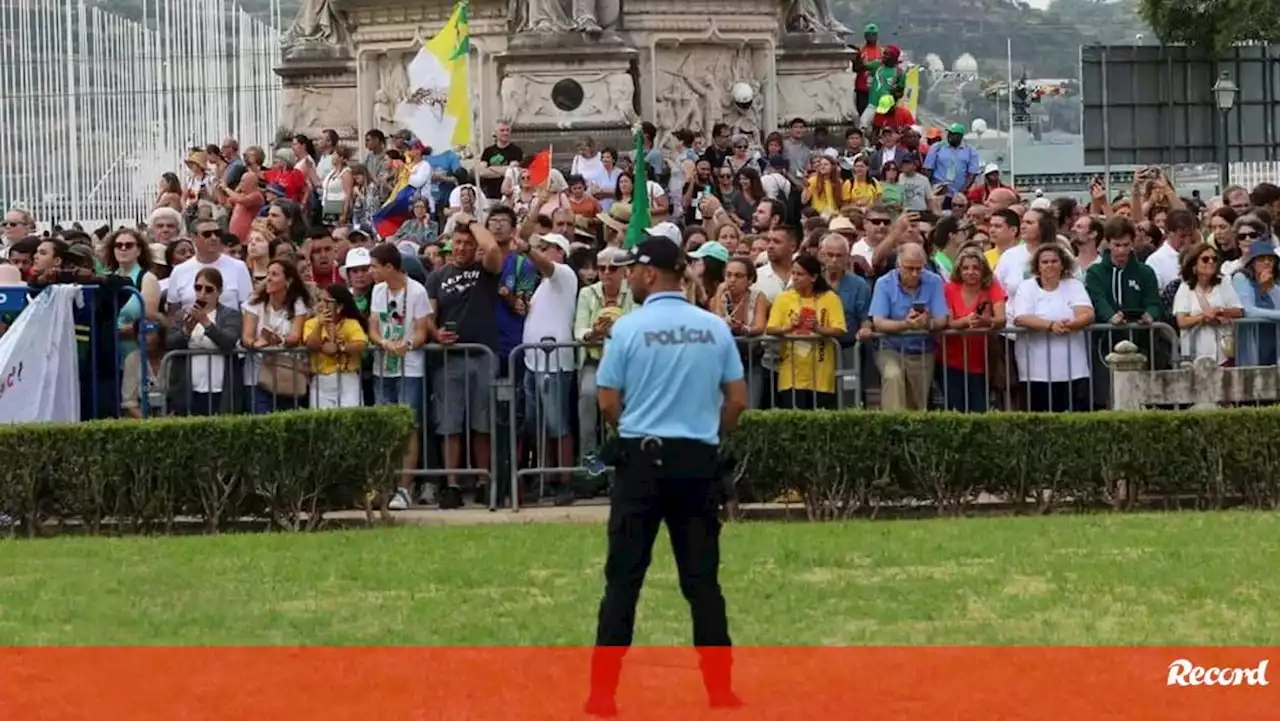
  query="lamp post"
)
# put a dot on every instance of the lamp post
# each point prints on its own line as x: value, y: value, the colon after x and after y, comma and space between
x: 1224, y: 92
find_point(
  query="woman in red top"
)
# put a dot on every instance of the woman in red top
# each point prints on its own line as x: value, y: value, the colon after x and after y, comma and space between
x: 283, y: 173
x: 975, y: 302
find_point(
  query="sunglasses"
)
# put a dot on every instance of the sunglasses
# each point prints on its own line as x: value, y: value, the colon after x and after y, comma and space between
x: 200, y: 288
x: 1207, y: 259
x: 209, y: 234
x: 1247, y: 235
x: 878, y: 221
x: 12, y: 224
x: 739, y: 147
x: 726, y: 176
x: 130, y: 245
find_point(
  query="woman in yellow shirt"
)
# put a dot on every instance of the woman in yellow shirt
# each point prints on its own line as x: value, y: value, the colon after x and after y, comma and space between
x: 864, y: 191
x: 825, y: 190
x: 807, y: 369
x: 337, y: 337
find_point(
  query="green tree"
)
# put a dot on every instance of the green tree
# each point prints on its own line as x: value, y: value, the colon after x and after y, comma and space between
x: 1215, y: 25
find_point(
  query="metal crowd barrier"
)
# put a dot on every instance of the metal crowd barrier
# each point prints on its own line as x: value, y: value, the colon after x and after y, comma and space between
x: 1019, y: 368
x: 807, y: 364
x: 93, y: 403
x: 1248, y: 341
x: 454, y: 381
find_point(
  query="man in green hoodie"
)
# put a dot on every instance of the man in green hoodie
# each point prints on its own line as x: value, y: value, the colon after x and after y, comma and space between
x: 1124, y: 291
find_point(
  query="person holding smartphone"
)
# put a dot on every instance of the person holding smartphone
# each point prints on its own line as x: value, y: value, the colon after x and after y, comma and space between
x: 463, y: 295
x: 906, y: 303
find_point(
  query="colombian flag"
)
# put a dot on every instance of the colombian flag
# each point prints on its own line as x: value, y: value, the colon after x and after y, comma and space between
x: 438, y: 109
x: 399, y: 205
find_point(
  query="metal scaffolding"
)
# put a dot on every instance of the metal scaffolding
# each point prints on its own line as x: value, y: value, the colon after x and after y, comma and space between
x: 96, y: 105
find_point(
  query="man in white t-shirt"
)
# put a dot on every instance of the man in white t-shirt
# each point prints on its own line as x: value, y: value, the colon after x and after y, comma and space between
x: 1181, y: 232
x: 237, y: 284
x: 548, y: 383
x: 399, y: 324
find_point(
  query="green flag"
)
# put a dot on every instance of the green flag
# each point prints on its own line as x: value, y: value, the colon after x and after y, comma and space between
x: 640, y: 220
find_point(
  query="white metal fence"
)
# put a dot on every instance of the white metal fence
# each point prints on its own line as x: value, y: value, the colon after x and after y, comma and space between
x: 96, y: 105
x: 1250, y: 174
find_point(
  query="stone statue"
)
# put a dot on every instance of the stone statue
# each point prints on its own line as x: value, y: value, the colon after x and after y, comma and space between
x: 317, y: 23
x: 384, y: 111
x: 559, y: 16
x: 813, y: 16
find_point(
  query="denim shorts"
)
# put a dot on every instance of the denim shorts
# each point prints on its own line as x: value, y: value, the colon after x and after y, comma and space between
x: 405, y: 391
x: 549, y: 402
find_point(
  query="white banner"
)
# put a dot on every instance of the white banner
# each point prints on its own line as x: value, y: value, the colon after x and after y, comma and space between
x: 39, y: 376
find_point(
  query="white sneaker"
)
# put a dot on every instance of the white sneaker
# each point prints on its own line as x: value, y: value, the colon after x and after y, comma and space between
x: 400, y: 501
x: 427, y: 496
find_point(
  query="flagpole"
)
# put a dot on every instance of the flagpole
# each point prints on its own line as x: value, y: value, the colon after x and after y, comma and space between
x: 1013, y: 176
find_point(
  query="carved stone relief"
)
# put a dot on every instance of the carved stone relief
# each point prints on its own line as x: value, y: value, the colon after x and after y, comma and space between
x: 309, y: 109
x: 607, y: 98
x: 819, y: 96
x: 694, y: 88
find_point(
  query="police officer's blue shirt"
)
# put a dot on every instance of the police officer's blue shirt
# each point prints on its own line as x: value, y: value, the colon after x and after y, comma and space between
x: 668, y: 359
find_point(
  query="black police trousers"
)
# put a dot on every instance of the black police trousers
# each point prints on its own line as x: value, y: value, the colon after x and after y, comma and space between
x: 676, y: 481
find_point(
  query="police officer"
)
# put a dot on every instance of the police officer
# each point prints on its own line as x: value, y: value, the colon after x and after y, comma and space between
x: 671, y: 382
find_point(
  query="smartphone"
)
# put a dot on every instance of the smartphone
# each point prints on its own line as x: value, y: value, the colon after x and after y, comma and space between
x: 919, y: 307
x: 982, y: 308
x: 451, y: 326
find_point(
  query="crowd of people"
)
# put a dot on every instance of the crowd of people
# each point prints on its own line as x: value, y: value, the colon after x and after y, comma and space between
x: 890, y: 267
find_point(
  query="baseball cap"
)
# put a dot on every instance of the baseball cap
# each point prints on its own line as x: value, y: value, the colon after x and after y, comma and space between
x: 913, y: 158
x: 712, y: 249
x: 656, y: 252
x: 555, y: 239
x: 667, y: 230
x: 956, y: 128
x: 1041, y: 204
x: 870, y: 28
x: 990, y: 168
x: 358, y: 258
x: 276, y: 189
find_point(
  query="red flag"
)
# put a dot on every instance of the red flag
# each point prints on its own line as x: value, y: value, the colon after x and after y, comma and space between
x: 540, y: 168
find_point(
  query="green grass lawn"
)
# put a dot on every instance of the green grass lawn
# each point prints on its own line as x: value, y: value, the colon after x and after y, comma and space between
x: 1105, y: 579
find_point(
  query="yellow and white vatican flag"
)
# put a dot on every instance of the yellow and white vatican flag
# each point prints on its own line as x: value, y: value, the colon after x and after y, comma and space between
x: 438, y: 108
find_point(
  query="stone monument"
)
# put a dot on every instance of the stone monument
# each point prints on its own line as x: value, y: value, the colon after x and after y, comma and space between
x: 570, y: 67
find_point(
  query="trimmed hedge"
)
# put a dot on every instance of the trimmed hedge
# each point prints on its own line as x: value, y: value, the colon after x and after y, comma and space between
x: 846, y: 463
x: 287, y: 468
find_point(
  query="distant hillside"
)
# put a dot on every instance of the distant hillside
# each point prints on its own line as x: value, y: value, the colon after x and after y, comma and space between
x: 1045, y: 42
